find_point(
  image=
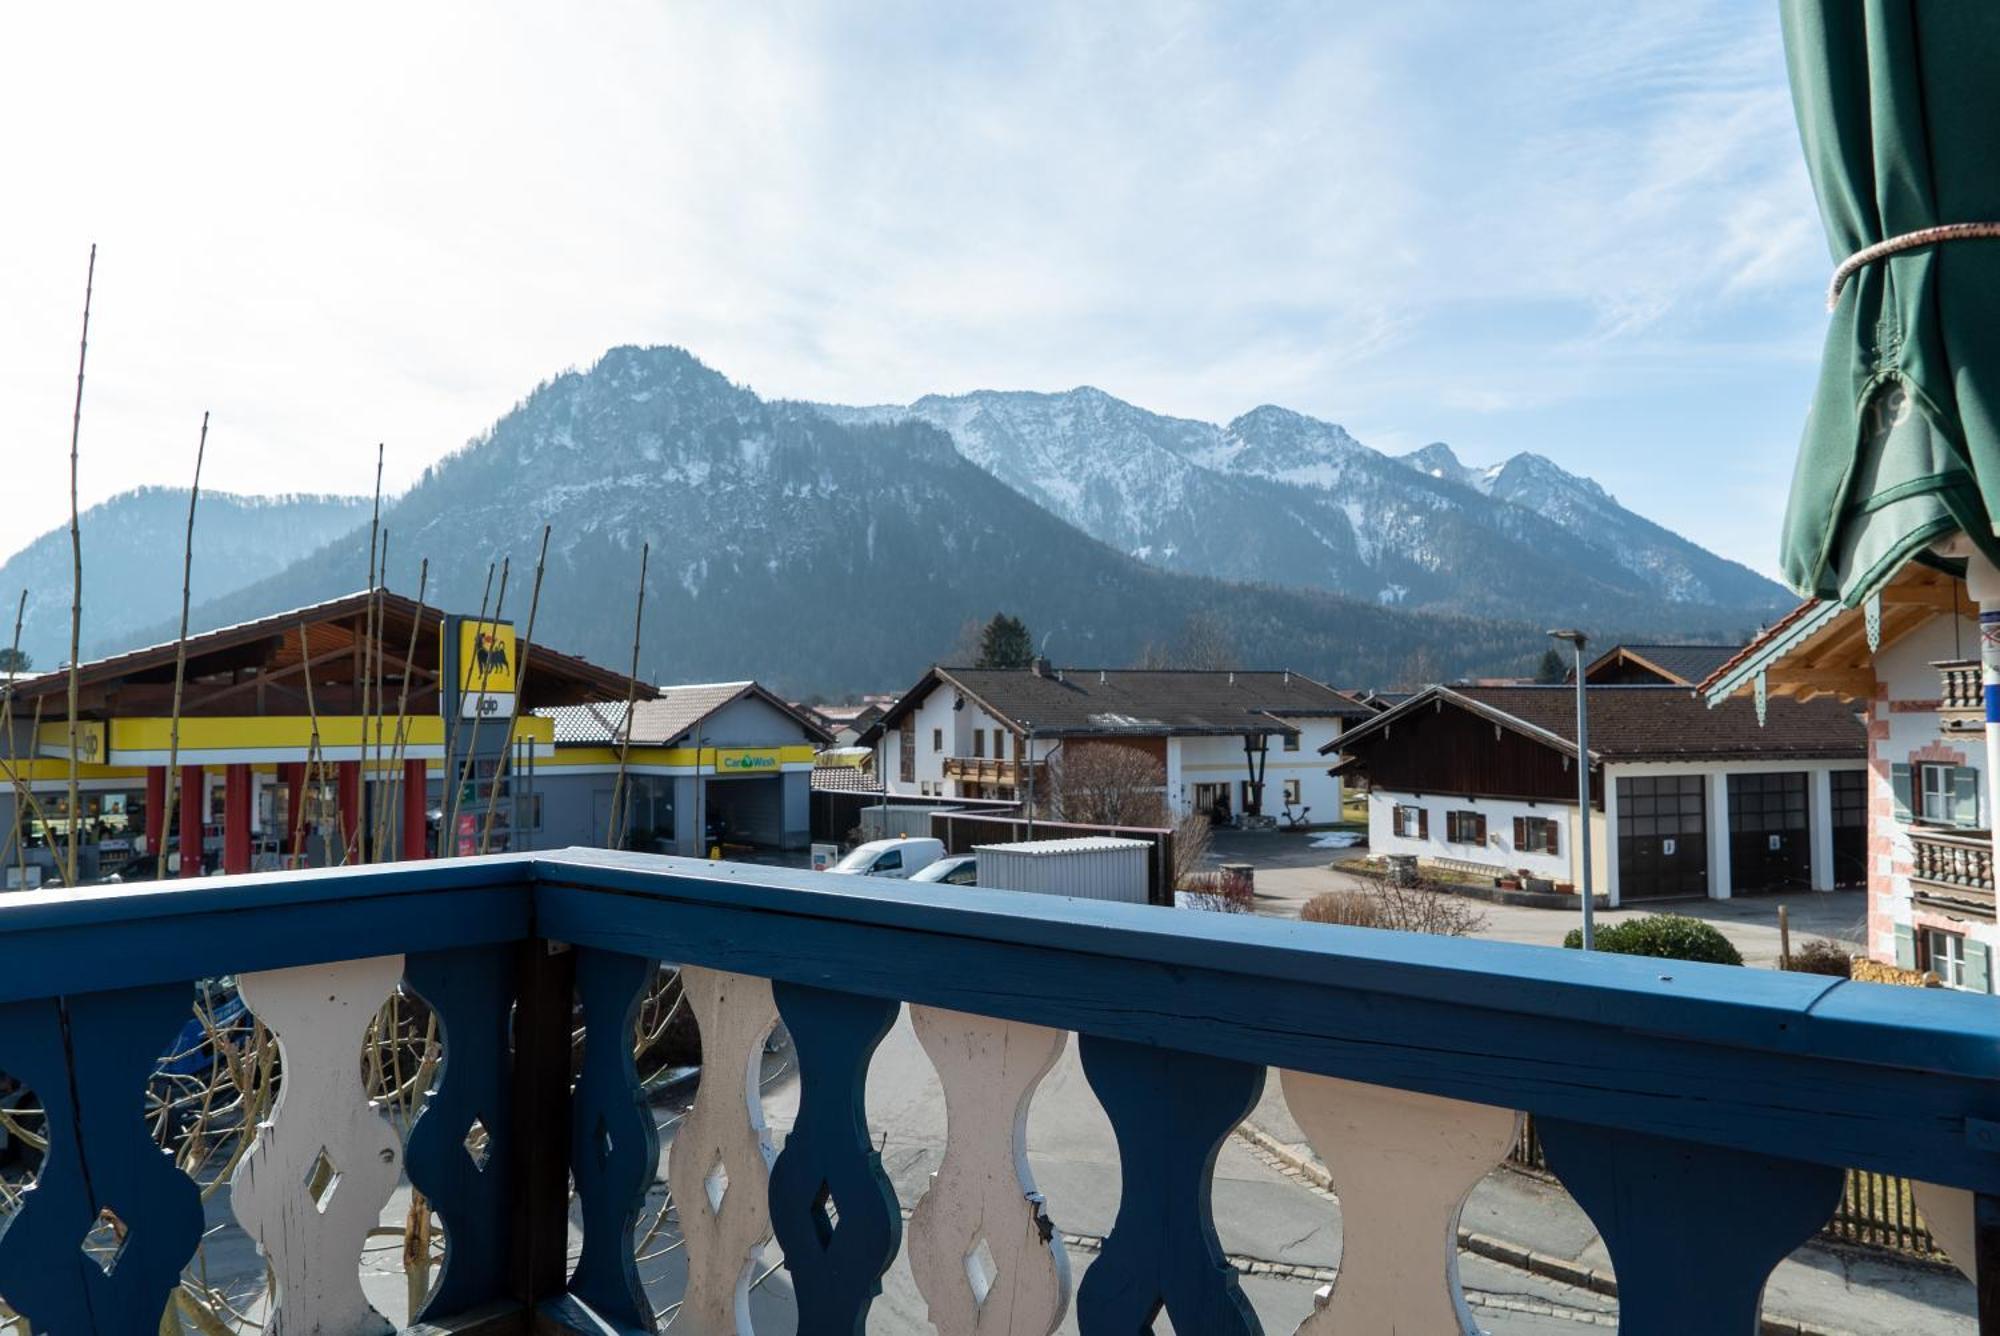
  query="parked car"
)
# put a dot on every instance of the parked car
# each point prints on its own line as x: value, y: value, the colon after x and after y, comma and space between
x: 891, y: 858
x: 956, y: 870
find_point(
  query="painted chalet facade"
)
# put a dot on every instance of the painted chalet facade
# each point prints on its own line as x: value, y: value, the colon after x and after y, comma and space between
x: 1908, y: 659
x: 1218, y: 736
x: 1685, y: 801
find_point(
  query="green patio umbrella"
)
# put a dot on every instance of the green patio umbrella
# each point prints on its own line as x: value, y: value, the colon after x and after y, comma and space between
x: 1899, y: 112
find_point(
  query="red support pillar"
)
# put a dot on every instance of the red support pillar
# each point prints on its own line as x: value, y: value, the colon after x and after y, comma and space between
x: 416, y: 802
x: 236, y: 819
x: 292, y: 774
x: 156, y: 813
x: 194, y: 797
x: 350, y: 810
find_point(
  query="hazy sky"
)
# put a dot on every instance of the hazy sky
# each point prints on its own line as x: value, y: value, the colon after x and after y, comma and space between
x: 1576, y: 228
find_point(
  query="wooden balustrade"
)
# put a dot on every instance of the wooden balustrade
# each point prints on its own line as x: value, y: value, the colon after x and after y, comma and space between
x: 1952, y: 870
x: 1702, y: 1115
x: 988, y: 770
x: 1961, y: 697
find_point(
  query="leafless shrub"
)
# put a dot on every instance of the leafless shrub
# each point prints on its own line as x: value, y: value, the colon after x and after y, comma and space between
x: 1423, y: 906
x: 1821, y: 956
x: 1193, y: 835
x: 1107, y: 784
x: 1222, y: 892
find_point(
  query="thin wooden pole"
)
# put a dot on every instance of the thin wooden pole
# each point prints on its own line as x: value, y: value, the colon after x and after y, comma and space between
x: 76, y: 568
x: 7, y: 735
x: 180, y: 655
x: 409, y: 661
x: 314, y: 774
x: 520, y: 695
x: 452, y: 777
x: 611, y: 836
x: 468, y: 772
x: 367, y: 640
x: 384, y: 797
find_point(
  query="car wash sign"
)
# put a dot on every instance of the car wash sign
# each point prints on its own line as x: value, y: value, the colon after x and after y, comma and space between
x: 746, y: 761
x: 485, y: 667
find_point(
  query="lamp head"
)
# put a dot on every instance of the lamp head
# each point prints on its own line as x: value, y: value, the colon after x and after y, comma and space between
x: 1571, y: 637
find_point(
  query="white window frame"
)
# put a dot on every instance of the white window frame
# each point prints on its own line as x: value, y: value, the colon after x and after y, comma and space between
x: 1936, y: 794
x: 1946, y: 951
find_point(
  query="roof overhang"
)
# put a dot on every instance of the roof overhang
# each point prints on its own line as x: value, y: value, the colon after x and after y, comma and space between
x: 1826, y: 648
x: 1436, y: 698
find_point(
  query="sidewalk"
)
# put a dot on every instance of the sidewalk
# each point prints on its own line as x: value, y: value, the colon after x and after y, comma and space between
x: 1819, y: 1288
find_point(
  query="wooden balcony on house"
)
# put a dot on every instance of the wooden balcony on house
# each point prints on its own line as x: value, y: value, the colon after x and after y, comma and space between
x: 988, y: 770
x: 1961, y: 698
x: 1659, y: 1089
x: 1952, y: 870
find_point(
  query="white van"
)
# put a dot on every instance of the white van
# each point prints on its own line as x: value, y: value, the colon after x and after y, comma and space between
x: 890, y: 858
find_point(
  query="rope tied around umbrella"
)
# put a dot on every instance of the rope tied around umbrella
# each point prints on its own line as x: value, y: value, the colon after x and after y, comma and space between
x: 1923, y: 236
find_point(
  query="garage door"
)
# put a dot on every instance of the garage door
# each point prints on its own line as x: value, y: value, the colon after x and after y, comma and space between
x: 1768, y: 846
x: 748, y: 811
x: 1850, y: 827
x: 1662, y: 837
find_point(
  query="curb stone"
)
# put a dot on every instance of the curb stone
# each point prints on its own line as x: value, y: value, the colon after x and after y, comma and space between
x: 1569, y: 1272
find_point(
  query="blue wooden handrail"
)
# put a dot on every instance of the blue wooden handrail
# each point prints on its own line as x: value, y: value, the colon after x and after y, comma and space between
x: 1685, y: 1072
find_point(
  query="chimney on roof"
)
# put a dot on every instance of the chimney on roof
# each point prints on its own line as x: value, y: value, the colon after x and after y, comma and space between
x: 1288, y: 677
x: 1232, y: 677
x: 1040, y: 666
x: 1100, y: 677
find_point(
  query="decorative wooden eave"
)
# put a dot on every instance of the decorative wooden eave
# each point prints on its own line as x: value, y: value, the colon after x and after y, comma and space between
x: 1828, y: 649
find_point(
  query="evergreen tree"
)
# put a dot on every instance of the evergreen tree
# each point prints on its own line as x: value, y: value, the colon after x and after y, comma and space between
x: 1552, y: 668
x: 1005, y: 643
x: 14, y: 660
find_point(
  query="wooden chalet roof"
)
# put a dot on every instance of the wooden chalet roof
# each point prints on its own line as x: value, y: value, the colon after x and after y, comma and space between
x: 1824, y: 648
x: 1637, y: 723
x: 1682, y: 665
x: 259, y: 667
x: 1084, y: 702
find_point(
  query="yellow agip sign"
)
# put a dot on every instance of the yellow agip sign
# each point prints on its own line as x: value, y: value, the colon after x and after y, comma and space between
x: 488, y: 660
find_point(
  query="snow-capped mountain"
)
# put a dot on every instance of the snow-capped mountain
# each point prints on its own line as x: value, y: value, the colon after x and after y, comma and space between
x: 132, y: 547
x: 827, y: 555
x: 1277, y: 497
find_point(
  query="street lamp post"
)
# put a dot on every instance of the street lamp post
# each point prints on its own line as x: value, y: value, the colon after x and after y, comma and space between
x: 1576, y: 640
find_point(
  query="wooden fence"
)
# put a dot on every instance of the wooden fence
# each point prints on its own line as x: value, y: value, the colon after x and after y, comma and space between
x: 1875, y: 1211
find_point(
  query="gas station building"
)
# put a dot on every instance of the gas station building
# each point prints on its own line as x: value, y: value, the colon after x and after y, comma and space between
x: 366, y: 728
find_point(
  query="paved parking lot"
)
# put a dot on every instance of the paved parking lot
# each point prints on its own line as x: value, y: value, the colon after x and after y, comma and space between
x: 1290, y: 871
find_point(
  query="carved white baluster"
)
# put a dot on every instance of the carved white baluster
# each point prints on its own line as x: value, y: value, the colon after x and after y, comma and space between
x: 323, y: 1165
x: 1948, y: 1212
x: 1402, y: 1165
x: 720, y: 1164
x: 984, y: 1255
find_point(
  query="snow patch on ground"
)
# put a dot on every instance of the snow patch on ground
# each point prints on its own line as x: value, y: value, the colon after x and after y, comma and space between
x: 1338, y: 839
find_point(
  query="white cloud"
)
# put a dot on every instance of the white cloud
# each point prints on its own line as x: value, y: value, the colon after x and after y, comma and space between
x: 389, y: 222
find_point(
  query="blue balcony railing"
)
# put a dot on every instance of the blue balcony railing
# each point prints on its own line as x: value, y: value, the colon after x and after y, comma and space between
x: 1703, y: 1116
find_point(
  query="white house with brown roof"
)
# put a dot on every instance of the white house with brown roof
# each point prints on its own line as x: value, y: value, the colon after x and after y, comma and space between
x: 1228, y: 742
x: 1685, y: 801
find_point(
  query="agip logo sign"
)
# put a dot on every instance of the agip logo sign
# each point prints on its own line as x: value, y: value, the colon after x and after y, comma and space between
x: 487, y: 663
x: 746, y: 761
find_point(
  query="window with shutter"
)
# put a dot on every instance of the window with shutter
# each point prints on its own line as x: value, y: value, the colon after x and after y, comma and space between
x: 1965, y: 797
x: 906, y: 751
x: 1978, y: 967
x: 1548, y: 837
x: 1906, y: 947
x: 1423, y: 823
x: 1899, y: 784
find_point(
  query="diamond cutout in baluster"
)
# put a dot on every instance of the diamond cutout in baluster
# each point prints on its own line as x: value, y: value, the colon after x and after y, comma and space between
x: 478, y: 1145
x: 980, y: 1271
x: 825, y: 1215
x: 716, y: 1184
x: 322, y: 1180
x: 105, y: 1243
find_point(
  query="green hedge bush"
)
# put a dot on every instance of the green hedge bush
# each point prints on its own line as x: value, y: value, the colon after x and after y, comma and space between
x: 1669, y: 936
